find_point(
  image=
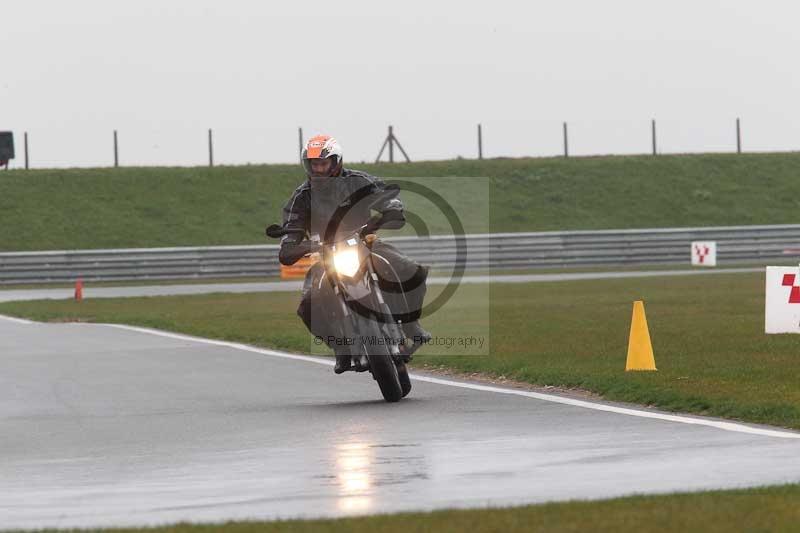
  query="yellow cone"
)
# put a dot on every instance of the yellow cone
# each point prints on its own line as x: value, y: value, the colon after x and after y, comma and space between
x: 640, y: 351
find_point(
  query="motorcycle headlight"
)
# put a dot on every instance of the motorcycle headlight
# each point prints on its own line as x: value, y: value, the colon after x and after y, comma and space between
x: 346, y: 261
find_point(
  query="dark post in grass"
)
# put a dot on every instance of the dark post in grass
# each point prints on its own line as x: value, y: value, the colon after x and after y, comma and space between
x: 738, y: 137
x: 26, y: 150
x: 116, y: 150
x: 391, y: 145
x: 210, y: 148
x: 653, y: 130
x: 300, y: 143
x: 480, y: 142
x: 391, y: 140
x: 566, y: 141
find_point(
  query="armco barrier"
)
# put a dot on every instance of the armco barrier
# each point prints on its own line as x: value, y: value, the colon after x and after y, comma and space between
x: 735, y: 244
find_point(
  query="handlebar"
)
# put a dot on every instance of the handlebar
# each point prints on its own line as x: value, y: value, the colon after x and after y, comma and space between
x: 276, y: 231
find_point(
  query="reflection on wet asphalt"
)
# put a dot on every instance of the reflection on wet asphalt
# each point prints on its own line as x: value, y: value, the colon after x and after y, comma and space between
x: 102, y: 426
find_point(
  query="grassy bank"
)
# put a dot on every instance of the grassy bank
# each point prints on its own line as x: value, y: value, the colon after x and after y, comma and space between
x: 142, y: 207
x: 711, y: 350
x: 762, y: 509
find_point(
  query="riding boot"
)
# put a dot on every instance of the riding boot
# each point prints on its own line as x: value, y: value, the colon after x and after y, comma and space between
x: 343, y: 360
x: 418, y: 337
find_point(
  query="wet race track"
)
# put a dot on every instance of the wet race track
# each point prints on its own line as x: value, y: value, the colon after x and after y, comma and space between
x: 105, y: 425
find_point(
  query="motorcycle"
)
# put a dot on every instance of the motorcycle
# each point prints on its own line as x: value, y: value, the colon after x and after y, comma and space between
x: 367, y: 328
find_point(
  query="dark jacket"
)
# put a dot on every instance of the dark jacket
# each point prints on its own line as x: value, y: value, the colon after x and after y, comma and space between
x: 338, y: 206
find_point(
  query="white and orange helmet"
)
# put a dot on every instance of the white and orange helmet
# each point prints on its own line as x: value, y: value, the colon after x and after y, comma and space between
x: 323, y: 147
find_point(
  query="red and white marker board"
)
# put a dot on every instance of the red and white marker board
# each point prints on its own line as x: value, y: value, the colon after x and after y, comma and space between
x: 704, y: 253
x: 782, y: 310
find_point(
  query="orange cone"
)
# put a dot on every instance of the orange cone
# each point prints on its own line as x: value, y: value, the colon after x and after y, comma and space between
x: 79, y: 290
x: 640, y: 349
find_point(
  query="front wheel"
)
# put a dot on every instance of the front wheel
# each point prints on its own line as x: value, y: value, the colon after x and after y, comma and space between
x: 381, y: 363
x: 405, y: 381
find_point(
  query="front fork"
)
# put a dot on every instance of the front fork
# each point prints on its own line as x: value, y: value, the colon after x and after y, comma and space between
x: 349, y: 323
x: 393, y: 329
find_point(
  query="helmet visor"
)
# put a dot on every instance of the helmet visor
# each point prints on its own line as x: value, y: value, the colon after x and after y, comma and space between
x: 319, y: 167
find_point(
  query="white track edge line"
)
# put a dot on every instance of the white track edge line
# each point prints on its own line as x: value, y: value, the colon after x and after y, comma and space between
x: 726, y: 426
x: 15, y: 320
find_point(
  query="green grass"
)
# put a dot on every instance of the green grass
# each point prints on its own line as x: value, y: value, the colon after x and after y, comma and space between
x: 144, y: 207
x: 765, y: 509
x: 708, y: 335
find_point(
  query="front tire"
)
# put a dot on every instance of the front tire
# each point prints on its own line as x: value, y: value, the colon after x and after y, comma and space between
x: 381, y: 362
x: 405, y: 381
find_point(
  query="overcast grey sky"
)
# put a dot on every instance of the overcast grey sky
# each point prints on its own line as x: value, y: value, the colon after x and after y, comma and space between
x: 163, y: 72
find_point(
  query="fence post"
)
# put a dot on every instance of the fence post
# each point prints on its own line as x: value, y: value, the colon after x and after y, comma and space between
x: 653, y: 128
x: 116, y: 150
x: 566, y: 141
x: 391, y: 145
x: 300, y: 143
x: 738, y: 137
x: 480, y: 142
x: 210, y: 148
x: 26, y: 150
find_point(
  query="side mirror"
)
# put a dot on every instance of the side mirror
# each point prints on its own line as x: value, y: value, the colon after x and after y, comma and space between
x: 390, y: 191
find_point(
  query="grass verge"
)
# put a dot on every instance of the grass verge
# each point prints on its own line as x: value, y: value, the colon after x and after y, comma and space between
x: 761, y: 509
x: 61, y: 209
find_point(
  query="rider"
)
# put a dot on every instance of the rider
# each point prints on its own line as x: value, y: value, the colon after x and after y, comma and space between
x: 332, y: 192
